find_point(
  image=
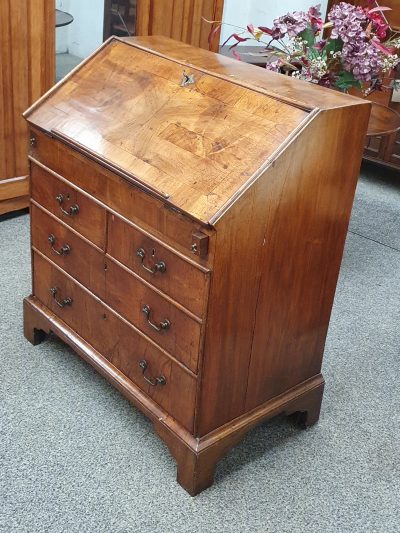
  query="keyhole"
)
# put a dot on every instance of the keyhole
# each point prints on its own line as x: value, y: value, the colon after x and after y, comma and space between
x: 153, y: 252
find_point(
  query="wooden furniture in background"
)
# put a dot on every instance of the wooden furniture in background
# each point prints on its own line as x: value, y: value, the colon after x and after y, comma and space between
x: 119, y: 18
x: 392, y: 16
x: 188, y: 225
x: 384, y: 148
x: 181, y: 20
x: 26, y: 72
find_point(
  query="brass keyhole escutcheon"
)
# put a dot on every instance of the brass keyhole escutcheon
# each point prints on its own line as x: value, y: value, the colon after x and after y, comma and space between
x: 187, y: 79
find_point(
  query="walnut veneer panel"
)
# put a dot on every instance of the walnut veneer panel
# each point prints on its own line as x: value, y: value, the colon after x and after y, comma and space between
x: 74, y: 170
x: 295, y: 240
x: 297, y: 92
x: 122, y: 346
x: 26, y: 72
x: 159, y: 265
x: 69, y: 205
x: 196, y: 145
x: 75, y: 255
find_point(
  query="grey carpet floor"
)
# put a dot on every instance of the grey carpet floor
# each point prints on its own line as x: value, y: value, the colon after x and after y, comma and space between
x: 65, y: 63
x: 76, y: 457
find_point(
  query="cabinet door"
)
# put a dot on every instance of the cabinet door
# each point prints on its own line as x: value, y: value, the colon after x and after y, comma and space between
x: 26, y: 72
x: 179, y: 19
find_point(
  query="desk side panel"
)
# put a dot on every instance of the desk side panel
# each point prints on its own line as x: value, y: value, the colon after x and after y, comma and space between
x: 276, y: 268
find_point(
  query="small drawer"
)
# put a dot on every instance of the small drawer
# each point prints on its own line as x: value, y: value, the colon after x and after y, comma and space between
x: 156, y: 374
x: 155, y: 215
x: 161, y: 378
x: 73, y: 254
x: 168, y: 325
x: 184, y: 282
x: 69, y: 205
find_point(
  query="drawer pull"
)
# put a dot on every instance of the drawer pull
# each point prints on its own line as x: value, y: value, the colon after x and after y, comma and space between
x: 158, y: 267
x: 60, y: 303
x: 64, y: 250
x: 160, y: 380
x: 165, y: 324
x: 73, y: 210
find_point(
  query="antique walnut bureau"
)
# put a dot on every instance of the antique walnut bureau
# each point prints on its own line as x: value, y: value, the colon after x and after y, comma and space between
x: 188, y: 218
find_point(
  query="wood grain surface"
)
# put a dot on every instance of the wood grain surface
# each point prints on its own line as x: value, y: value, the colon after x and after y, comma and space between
x: 247, y: 320
x: 85, y: 262
x: 118, y: 341
x: 26, y: 72
x: 120, y: 195
x: 184, y: 281
x: 195, y: 145
x: 90, y: 219
x: 269, y: 308
x: 127, y: 295
x: 180, y: 19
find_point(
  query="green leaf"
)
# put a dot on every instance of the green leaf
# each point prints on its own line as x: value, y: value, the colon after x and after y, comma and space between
x: 333, y: 45
x: 312, y: 53
x: 346, y: 80
x: 308, y: 35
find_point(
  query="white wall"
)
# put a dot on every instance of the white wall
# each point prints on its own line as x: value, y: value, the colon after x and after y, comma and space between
x: 85, y: 34
x: 261, y: 13
x: 62, y: 33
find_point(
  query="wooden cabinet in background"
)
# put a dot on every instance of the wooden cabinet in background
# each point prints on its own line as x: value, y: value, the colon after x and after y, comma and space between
x: 26, y: 72
x: 119, y: 18
x: 180, y: 19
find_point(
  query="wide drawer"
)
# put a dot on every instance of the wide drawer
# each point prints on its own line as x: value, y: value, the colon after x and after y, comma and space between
x: 155, y: 215
x: 69, y: 205
x: 72, y: 253
x: 168, y: 325
x: 157, y: 264
x: 154, y: 372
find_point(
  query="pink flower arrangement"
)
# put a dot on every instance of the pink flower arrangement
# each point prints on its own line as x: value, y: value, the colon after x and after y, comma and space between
x: 360, y: 51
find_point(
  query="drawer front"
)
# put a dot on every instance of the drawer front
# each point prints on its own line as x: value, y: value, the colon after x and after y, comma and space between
x: 69, y: 205
x: 147, y: 367
x: 75, y: 255
x: 170, y: 327
x: 155, y: 263
x: 126, y: 198
x: 125, y: 348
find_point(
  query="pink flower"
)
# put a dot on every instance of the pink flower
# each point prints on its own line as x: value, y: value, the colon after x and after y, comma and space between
x: 274, y: 66
x: 314, y: 15
x: 291, y: 24
x: 379, y: 25
x: 347, y: 22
